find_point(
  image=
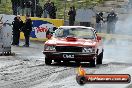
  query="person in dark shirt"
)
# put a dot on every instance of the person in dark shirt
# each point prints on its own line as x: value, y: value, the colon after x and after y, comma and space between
x: 18, y: 7
x: 72, y: 15
x: 52, y: 12
x: 22, y: 5
x: 111, y: 21
x: 33, y: 7
x: 99, y: 18
x: 39, y: 11
x: 28, y: 7
x: 47, y: 8
x: 17, y: 24
x: 27, y: 28
x: 14, y: 6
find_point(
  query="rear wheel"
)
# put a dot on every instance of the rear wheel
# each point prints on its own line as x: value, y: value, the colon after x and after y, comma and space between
x: 48, y: 61
x: 100, y: 58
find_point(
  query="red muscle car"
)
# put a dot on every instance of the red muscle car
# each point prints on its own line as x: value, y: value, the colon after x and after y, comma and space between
x: 74, y: 43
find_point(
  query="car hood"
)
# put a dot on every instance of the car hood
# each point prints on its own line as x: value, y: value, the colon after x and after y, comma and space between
x: 65, y: 42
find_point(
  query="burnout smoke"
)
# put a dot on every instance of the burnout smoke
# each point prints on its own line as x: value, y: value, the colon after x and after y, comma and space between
x: 119, y: 48
x: 124, y: 26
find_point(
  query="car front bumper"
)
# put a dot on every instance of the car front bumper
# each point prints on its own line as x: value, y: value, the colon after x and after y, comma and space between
x: 70, y: 56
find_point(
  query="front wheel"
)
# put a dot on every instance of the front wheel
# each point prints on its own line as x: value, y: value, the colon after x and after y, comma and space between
x: 100, y: 58
x: 48, y: 61
x: 92, y: 63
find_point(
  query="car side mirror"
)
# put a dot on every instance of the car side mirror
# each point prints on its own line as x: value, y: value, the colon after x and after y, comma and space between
x: 98, y: 38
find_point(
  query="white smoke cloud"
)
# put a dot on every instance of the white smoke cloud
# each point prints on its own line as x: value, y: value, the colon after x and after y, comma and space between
x: 125, y: 26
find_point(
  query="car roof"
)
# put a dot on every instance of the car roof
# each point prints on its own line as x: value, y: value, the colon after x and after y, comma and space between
x: 76, y: 27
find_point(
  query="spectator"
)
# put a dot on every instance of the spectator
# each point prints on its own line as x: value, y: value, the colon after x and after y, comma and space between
x: 28, y: 7
x: 33, y: 8
x: 17, y: 24
x: 47, y: 7
x: 72, y: 14
x: 18, y: 7
x: 14, y: 6
x: 111, y: 21
x: 22, y: 5
x: 99, y: 18
x: 27, y: 28
x: 39, y: 10
x: 53, y: 9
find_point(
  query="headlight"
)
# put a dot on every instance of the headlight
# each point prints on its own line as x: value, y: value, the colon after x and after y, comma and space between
x: 49, y: 48
x: 88, y: 50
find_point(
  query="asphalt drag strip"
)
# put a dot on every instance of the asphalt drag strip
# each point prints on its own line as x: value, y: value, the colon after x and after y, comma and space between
x: 27, y: 68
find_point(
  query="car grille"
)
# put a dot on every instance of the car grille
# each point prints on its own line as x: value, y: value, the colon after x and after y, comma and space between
x: 68, y: 49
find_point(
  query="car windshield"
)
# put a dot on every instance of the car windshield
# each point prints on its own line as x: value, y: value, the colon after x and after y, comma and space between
x: 84, y: 33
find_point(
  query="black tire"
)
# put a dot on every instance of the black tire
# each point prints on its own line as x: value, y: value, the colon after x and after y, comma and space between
x: 48, y: 61
x: 100, y: 58
x: 81, y: 80
x: 92, y: 63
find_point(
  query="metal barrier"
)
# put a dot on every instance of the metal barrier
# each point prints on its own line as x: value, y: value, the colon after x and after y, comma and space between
x: 5, y: 39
